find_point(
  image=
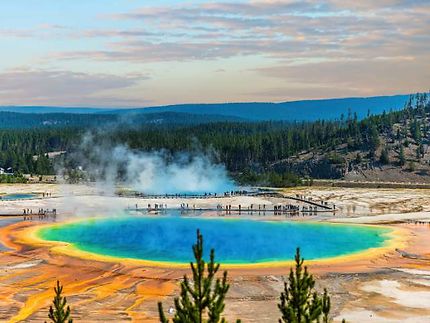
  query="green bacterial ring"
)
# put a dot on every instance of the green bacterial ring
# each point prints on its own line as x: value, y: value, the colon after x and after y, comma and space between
x: 168, y: 239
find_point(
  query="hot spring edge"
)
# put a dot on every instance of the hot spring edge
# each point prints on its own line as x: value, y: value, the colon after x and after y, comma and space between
x: 240, y: 252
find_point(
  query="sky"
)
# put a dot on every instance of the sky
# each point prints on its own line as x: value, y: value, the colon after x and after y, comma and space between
x: 137, y: 53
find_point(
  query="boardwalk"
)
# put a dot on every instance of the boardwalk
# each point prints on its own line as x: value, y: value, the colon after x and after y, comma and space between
x: 309, y: 205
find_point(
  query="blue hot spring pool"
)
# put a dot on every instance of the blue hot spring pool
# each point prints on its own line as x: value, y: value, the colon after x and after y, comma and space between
x: 17, y: 196
x: 236, y: 241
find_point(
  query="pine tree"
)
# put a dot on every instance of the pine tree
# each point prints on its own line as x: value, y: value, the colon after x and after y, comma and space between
x: 402, y: 159
x: 384, y: 158
x: 202, y: 299
x: 358, y: 158
x: 420, y: 151
x: 373, y: 139
x: 300, y: 303
x: 326, y: 305
x: 415, y: 129
x: 59, y: 313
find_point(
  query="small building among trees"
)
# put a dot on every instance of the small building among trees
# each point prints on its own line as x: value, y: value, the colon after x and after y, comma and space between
x: 7, y: 171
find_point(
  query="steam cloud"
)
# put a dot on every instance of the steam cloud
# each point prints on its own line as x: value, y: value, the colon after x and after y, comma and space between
x: 151, y: 172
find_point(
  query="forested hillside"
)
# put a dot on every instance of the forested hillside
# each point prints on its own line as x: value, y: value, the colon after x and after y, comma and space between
x: 272, y: 152
x: 25, y: 149
x: 14, y: 120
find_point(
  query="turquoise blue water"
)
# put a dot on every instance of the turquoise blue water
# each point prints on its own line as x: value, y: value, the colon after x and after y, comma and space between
x: 169, y: 238
x: 17, y: 196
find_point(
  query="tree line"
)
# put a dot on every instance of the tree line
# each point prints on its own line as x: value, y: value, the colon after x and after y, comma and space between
x: 244, y: 147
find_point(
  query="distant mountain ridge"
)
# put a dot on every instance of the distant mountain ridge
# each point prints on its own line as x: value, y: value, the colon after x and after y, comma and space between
x: 17, y: 120
x: 305, y: 110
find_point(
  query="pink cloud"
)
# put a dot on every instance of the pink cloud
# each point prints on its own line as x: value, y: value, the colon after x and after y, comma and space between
x: 43, y: 87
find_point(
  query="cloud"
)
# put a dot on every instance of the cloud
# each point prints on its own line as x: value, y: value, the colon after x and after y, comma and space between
x: 284, y: 47
x: 43, y: 87
x: 273, y: 29
x: 144, y: 51
x: 41, y: 31
x: 354, y: 77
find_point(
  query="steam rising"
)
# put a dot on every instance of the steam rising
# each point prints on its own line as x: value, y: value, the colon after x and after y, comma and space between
x: 151, y: 172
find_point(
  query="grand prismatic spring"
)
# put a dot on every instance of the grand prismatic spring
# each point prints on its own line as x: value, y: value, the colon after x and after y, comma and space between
x: 237, y: 241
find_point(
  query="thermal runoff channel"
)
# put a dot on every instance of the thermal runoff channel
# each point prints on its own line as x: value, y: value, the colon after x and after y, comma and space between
x: 236, y: 241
